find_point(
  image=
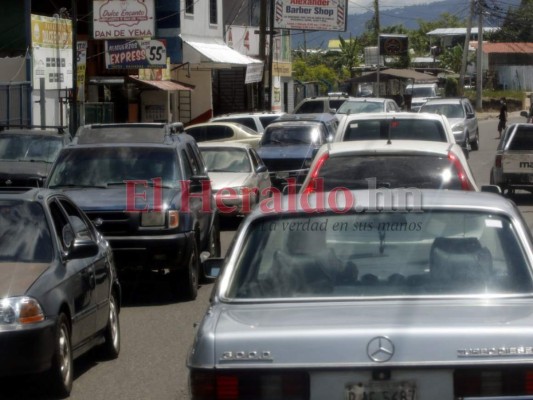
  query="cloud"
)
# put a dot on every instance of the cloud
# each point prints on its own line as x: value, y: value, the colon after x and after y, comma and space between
x: 362, y: 6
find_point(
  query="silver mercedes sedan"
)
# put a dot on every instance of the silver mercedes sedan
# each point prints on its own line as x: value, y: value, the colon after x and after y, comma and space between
x: 382, y: 294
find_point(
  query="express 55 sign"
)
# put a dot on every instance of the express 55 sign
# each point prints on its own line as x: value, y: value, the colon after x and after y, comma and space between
x: 135, y: 54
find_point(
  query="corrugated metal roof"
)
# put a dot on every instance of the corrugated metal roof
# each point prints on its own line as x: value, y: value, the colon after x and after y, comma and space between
x: 217, y: 51
x: 458, y: 31
x: 506, y: 48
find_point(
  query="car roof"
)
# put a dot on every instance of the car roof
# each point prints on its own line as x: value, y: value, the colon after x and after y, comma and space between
x: 131, y: 133
x: 431, y: 199
x: 446, y: 100
x: 36, y: 132
x: 225, y: 145
x: 216, y: 123
x: 293, y: 122
x: 384, y: 146
x: 396, y: 115
x: 368, y: 100
x: 320, y: 117
x: 249, y: 114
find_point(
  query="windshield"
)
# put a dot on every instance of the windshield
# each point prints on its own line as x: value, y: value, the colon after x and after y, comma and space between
x: 24, y: 233
x: 355, y: 107
x: 290, y: 134
x: 421, y: 91
x: 404, y: 128
x: 20, y: 147
x: 401, y: 254
x: 105, y: 166
x: 389, y: 171
x: 448, y: 110
x: 226, y: 160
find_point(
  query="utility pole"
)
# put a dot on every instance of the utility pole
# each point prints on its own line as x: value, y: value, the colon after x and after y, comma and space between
x: 270, y: 55
x: 479, y: 61
x: 466, y: 47
x: 74, y: 104
x: 262, y: 48
x: 377, y: 29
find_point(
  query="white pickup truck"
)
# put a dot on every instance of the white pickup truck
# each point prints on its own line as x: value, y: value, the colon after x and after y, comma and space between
x: 513, y: 165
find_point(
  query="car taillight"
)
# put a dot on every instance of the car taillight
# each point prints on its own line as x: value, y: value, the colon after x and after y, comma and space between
x: 257, y: 385
x: 498, y: 161
x: 461, y: 173
x: 312, y: 186
x: 493, y: 382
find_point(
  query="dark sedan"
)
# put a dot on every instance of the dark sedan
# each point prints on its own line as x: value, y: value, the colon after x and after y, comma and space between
x: 59, y: 289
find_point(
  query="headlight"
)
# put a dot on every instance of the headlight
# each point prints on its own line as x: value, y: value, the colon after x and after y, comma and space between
x: 157, y: 218
x: 20, y: 310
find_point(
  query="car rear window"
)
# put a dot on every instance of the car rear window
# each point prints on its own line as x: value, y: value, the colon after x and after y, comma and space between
x: 291, y: 134
x: 21, y: 147
x: 310, y: 107
x: 522, y: 138
x: 246, y: 121
x: 213, y: 132
x: 389, y: 171
x: 380, y: 254
x: 449, y: 110
x: 410, y: 129
x: 226, y: 160
x: 356, y: 107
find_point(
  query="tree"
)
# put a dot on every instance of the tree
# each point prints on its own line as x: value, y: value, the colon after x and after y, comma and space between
x: 452, y: 58
x: 419, y: 40
x: 348, y: 58
x: 318, y: 73
x: 516, y: 25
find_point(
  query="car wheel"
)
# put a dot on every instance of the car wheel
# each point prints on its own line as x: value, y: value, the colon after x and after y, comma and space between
x: 475, y: 143
x: 61, y: 372
x: 187, y: 285
x: 467, y: 145
x: 111, y: 347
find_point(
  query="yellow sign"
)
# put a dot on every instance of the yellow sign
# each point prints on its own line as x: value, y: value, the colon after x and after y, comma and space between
x: 282, y: 69
x: 51, y: 32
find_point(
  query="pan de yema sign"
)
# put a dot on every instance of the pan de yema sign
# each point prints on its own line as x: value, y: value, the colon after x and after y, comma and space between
x: 312, y: 15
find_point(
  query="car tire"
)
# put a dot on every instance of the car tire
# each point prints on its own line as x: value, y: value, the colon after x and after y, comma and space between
x: 475, y: 144
x: 188, y: 278
x: 60, y: 375
x: 111, y: 347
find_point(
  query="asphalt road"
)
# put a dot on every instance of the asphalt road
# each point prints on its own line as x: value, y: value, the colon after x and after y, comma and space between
x: 158, y: 332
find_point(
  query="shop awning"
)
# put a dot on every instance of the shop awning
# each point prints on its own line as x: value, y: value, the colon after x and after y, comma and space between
x: 168, y: 86
x: 213, y: 53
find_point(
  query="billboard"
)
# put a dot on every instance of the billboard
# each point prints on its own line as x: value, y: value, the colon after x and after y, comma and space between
x: 393, y: 45
x: 51, y: 52
x: 135, y: 54
x: 311, y: 15
x: 116, y: 19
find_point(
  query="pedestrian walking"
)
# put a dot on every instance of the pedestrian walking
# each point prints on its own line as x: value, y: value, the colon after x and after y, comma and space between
x: 502, y: 117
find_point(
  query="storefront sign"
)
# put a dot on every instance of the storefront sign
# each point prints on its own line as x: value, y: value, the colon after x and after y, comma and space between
x: 254, y: 73
x: 135, y: 54
x: 81, y: 64
x: 114, y: 19
x: 51, y: 52
x: 318, y: 15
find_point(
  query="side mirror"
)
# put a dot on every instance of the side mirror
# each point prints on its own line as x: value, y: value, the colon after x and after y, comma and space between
x: 491, y: 189
x: 524, y: 114
x: 82, y: 248
x: 212, y: 267
x: 261, y: 168
x: 470, y: 115
x: 196, y: 182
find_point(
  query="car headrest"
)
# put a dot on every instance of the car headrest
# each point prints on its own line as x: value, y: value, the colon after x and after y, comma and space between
x: 460, y: 260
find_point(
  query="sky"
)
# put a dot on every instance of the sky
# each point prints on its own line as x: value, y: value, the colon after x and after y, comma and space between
x: 362, y: 6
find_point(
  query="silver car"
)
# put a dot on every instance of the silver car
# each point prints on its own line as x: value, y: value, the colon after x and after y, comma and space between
x: 371, y: 295
x: 462, y: 118
x: 239, y: 178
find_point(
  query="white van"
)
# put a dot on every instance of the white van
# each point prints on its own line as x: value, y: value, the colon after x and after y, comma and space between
x: 421, y: 92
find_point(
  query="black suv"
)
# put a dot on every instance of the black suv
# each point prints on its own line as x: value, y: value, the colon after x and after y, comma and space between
x: 146, y: 188
x: 26, y: 155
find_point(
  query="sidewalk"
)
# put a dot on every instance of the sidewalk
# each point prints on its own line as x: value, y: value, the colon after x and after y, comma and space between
x: 494, y: 115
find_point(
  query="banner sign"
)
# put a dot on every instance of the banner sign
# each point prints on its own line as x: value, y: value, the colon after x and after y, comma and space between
x: 114, y: 19
x: 135, y: 54
x: 51, y: 52
x: 81, y: 64
x: 254, y: 73
x: 311, y: 15
x: 393, y: 45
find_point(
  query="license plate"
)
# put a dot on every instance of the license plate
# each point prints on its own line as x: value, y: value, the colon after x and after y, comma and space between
x: 381, y: 390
